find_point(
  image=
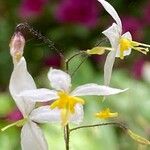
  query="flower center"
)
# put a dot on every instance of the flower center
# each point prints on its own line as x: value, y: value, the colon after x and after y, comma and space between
x: 126, y: 44
x: 18, y: 123
x: 106, y: 114
x: 66, y: 104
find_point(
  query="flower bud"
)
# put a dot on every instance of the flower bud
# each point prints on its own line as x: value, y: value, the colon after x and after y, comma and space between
x: 17, y: 44
x: 138, y: 138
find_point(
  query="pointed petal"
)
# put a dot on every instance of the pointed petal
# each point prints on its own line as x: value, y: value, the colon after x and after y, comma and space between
x: 108, y: 67
x: 59, y: 80
x: 113, y: 34
x: 39, y: 95
x: 94, y: 89
x: 21, y: 80
x: 110, y: 9
x: 32, y: 137
x: 44, y: 115
x: 127, y: 52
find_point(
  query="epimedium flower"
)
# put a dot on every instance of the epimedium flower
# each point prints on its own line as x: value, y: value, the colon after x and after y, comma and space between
x: 68, y: 104
x: 121, y: 43
x: 106, y: 113
x: 31, y: 134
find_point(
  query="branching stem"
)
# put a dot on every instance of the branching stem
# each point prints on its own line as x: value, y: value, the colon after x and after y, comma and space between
x: 73, y: 56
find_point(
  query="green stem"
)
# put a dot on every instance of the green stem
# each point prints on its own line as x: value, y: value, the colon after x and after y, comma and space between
x: 72, y: 74
x: 69, y: 59
x: 67, y: 136
x: 18, y: 123
x: 120, y: 125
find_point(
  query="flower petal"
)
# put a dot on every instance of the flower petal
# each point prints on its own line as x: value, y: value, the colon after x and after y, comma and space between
x: 126, y: 52
x: 113, y: 34
x: 110, y: 9
x: 39, y: 95
x: 21, y: 80
x: 59, y: 80
x: 108, y: 67
x: 44, y: 115
x: 94, y: 89
x: 32, y: 137
x: 77, y: 118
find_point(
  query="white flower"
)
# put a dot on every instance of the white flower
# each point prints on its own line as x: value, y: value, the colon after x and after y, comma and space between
x: 32, y: 137
x: 121, y: 43
x: 68, y: 106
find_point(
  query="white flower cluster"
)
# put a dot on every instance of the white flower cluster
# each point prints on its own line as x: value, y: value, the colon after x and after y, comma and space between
x: 67, y: 106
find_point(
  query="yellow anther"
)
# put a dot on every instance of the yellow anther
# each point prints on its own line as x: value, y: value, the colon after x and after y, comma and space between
x: 126, y: 44
x: 106, y: 114
x: 66, y: 104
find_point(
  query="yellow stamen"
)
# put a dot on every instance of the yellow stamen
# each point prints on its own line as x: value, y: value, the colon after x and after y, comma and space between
x: 126, y: 44
x: 18, y: 56
x: 106, y: 114
x: 18, y: 124
x: 98, y: 50
x: 66, y: 104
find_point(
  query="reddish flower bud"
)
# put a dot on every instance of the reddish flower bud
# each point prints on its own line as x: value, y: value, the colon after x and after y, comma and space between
x: 17, y: 44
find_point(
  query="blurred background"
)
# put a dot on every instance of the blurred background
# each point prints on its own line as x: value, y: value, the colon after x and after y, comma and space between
x: 75, y: 25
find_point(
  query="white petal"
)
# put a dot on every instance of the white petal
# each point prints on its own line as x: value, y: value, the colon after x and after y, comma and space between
x: 113, y: 34
x: 108, y: 67
x: 39, y: 95
x: 94, y: 89
x: 127, y: 52
x: 44, y: 115
x: 32, y: 137
x: 110, y: 9
x: 59, y: 80
x: 21, y: 80
x: 77, y: 118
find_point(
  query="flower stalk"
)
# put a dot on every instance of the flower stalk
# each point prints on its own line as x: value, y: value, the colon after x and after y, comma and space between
x: 67, y: 136
x: 73, y: 56
x: 120, y: 125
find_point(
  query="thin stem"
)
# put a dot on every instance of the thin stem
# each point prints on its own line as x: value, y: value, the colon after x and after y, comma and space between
x: 72, y: 74
x: 73, y: 56
x: 67, y: 136
x: 120, y: 125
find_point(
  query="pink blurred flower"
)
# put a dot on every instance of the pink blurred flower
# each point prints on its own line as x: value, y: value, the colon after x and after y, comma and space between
x: 137, y: 68
x: 14, y: 115
x: 31, y: 8
x: 83, y: 12
x: 146, y: 13
x: 134, y: 26
x: 141, y: 69
x: 53, y: 61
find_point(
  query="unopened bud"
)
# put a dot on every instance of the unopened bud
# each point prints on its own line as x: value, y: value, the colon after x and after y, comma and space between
x: 138, y: 138
x: 17, y: 44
